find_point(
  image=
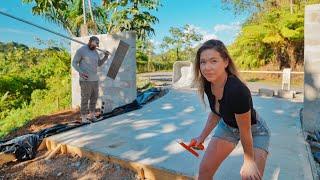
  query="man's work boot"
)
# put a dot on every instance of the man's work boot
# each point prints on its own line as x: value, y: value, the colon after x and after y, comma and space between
x: 92, y: 117
x: 84, y: 119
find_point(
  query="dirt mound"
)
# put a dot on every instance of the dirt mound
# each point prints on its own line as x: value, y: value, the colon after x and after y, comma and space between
x: 65, y: 167
x: 46, y: 121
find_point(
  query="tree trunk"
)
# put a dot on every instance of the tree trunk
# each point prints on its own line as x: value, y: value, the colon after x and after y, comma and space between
x: 83, y: 30
x: 291, y: 53
x: 94, y: 28
x: 178, y: 54
x: 84, y: 11
x: 280, y: 58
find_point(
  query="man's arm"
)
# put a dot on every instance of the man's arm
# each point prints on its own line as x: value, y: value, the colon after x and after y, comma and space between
x: 75, y: 64
x: 101, y: 61
x: 76, y: 61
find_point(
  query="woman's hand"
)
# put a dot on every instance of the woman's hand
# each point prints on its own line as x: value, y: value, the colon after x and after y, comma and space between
x: 250, y: 171
x: 196, y: 142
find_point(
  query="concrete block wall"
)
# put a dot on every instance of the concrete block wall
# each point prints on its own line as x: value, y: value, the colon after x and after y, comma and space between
x: 112, y: 93
x: 311, y: 111
x: 182, y: 74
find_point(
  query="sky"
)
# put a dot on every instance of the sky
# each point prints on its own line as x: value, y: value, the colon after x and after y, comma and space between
x: 206, y: 16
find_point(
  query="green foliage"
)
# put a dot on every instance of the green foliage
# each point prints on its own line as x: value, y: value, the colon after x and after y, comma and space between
x: 274, y: 34
x: 181, y: 39
x: 241, y: 6
x: 143, y: 66
x: 110, y: 17
x: 33, y: 82
x: 145, y: 49
x: 131, y: 15
x: 46, y: 5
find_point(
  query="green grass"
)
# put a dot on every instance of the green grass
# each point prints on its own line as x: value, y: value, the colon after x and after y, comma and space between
x: 297, y: 80
x: 52, y: 100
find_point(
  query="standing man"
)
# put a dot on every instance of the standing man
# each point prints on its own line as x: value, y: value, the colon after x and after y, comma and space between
x: 86, y: 61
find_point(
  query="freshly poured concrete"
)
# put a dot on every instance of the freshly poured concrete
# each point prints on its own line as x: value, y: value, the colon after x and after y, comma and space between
x: 148, y: 136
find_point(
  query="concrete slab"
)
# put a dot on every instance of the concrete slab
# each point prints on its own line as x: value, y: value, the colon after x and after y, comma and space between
x: 148, y: 136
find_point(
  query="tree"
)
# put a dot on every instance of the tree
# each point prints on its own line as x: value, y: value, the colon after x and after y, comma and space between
x: 129, y: 15
x: 109, y: 17
x: 67, y: 14
x: 145, y: 51
x: 44, y: 6
x: 181, y: 39
x: 273, y: 34
x: 241, y: 6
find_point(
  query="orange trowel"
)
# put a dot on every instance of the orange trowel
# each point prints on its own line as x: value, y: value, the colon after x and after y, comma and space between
x: 191, y: 147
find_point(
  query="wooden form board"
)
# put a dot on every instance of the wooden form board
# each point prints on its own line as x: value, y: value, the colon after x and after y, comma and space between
x: 144, y: 171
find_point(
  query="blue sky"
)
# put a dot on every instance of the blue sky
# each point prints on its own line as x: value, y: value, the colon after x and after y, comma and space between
x: 207, y: 16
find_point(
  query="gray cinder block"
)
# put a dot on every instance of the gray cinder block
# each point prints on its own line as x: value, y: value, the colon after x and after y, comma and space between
x: 266, y: 92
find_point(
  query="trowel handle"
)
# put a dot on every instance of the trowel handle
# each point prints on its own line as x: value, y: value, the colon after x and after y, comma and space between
x: 104, y: 51
x: 200, y: 147
x: 193, y: 143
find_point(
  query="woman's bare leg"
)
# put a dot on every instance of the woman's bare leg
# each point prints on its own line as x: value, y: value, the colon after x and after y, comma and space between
x: 260, y: 157
x: 217, y: 150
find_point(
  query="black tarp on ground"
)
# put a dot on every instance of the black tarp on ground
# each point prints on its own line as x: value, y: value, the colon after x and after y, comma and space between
x: 25, y: 147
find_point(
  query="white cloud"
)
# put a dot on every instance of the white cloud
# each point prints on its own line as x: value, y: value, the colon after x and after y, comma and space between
x: 206, y: 34
x: 235, y: 26
x: 209, y: 36
x: 16, y: 31
x: 155, y: 42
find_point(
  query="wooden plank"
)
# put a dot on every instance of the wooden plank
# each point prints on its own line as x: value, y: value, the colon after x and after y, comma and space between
x: 42, y: 146
x: 144, y: 171
x: 4, y: 158
x: 54, y: 152
x: 118, y: 59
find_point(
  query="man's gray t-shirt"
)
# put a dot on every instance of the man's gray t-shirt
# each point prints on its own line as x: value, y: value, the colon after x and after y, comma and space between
x: 87, y: 61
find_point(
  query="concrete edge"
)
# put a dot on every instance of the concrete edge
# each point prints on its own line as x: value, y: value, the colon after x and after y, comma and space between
x: 307, y: 146
x: 144, y: 171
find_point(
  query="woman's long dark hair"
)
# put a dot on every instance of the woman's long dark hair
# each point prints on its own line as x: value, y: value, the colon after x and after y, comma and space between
x: 199, y: 80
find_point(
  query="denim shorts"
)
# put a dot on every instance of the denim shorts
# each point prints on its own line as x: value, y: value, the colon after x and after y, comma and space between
x: 260, y: 133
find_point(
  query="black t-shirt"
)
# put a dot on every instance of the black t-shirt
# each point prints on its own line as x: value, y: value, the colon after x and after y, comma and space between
x: 236, y: 99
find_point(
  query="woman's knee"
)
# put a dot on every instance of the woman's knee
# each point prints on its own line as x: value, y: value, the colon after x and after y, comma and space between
x: 206, y: 170
x: 207, y: 167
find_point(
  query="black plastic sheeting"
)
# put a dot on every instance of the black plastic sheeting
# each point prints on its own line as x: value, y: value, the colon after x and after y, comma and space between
x: 25, y: 147
x: 142, y: 99
x: 314, y: 140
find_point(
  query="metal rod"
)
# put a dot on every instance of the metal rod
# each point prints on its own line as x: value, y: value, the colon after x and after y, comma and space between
x: 46, y: 29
